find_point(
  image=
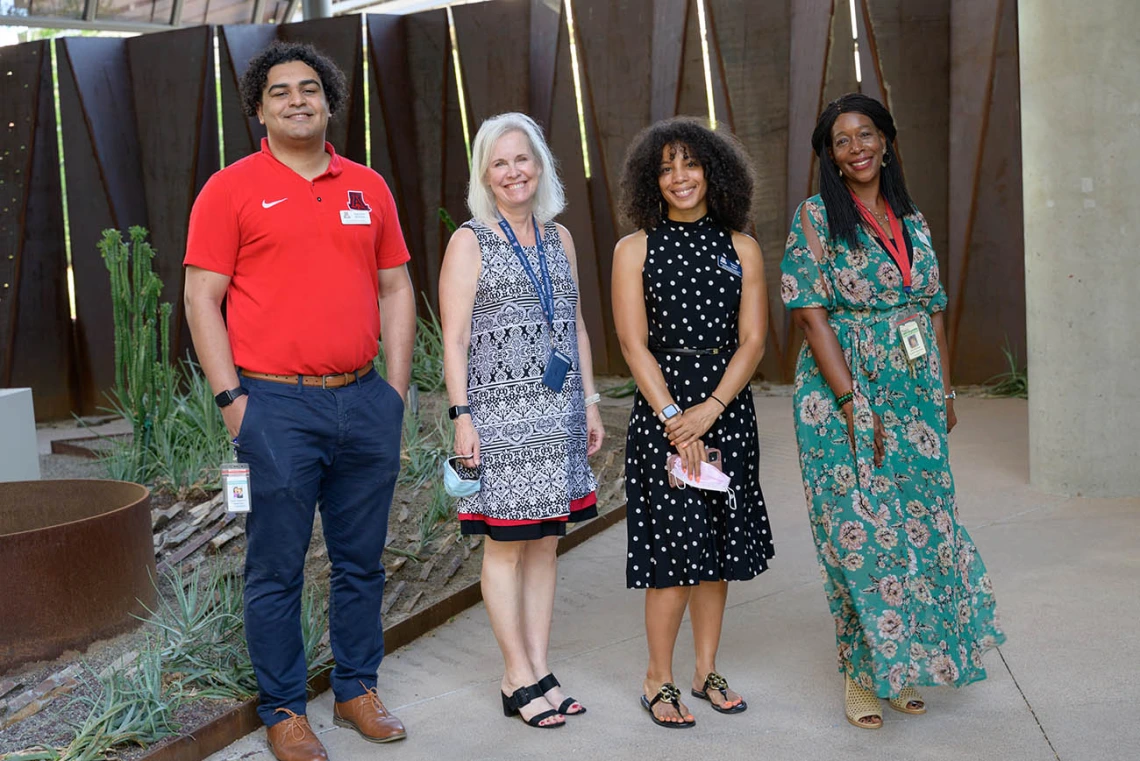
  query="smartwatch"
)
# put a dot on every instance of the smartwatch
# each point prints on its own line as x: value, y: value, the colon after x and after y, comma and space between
x: 669, y: 412
x: 226, y: 398
x: 457, y: 410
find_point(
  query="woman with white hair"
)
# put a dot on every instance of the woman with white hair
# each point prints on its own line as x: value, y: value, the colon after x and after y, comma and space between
x: 520, y: 381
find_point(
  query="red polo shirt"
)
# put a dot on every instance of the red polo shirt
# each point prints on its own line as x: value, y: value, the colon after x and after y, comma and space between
x: 302, y: 258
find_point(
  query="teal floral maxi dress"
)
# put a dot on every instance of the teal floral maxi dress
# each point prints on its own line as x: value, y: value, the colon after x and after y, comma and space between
x: 912, y: 601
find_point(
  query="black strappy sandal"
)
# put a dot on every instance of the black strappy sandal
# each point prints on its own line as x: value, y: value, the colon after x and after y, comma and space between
x: 670, y: 694
x: 521, y: 698
x: 548, y: 683
x: 717, y: 682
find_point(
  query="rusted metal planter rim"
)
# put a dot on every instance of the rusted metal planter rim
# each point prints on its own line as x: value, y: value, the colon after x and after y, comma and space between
x: 143, y: 495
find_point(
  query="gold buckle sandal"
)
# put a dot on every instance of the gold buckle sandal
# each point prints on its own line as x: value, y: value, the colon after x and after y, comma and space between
x: 860, y: 703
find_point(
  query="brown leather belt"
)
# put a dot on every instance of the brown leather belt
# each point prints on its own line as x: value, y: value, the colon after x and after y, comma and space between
x: 323, y: 381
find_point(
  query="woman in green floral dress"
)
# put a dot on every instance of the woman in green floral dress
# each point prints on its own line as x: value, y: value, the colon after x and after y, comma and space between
x: 912, y: 601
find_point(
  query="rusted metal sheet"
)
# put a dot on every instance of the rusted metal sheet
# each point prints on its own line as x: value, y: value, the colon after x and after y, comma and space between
x: 429, y: 65
x: 494, y: 52
x: 615, y: 48
x: 809, y: 48
x: 752, y: 48
x: 669, y: 27
x: 238, y: 44
x: 910, y: 46
x: 20, y: 91
x: 165, y: 67
x: 456, y: 171
x: 105, y: 190
x: 615, y: 52
x: 341, y: 39
x: 76, y: 565
x: 973, y: 46
x: 990, y: 295
x: 545, y: 23
x: 36, y: 340
x: 692, y: 94
x: 566, y: 144
x: 394, y: 134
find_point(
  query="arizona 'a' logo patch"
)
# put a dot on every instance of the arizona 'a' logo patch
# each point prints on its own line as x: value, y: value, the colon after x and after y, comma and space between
x: 356, y: 201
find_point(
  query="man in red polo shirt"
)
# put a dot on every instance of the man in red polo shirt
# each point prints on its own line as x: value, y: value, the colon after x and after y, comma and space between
x: 305, y: 249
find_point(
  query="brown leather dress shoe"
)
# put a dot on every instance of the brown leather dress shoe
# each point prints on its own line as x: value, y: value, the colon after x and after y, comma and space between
x: 294, y: 740
x: 368, y: 716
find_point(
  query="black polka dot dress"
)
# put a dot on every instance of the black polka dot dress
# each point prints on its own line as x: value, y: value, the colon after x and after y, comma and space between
x: 692, y: 285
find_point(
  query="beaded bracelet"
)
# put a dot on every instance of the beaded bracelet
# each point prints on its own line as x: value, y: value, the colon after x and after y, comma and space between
x: 843, y: 399
x: 718, y: 401
x: 593, y: 399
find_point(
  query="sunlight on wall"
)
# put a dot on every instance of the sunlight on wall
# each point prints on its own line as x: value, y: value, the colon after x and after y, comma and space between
x: 707, y: 61
x: 459, y: 86
x: 577, y: 86
x: 62, y: 178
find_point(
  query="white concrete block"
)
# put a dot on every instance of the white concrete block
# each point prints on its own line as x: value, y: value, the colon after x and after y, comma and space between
x: 19, y: 455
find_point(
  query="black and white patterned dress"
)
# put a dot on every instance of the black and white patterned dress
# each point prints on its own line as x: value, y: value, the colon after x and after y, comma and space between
x: 686, y: 536
x: 532, y: 440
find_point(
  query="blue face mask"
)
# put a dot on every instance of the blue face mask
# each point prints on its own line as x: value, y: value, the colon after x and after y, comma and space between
x: 454, y: 484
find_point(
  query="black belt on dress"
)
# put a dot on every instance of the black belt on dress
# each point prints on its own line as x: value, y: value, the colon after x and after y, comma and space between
x: 691, y: 351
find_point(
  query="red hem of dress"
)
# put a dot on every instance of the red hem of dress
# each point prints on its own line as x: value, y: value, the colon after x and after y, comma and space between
x: 576, y: 505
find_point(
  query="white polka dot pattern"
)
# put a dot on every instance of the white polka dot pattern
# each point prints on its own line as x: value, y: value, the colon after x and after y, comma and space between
x: 686, y: 536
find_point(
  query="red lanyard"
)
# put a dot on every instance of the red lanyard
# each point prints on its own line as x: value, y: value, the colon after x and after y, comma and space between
x: 897, y: 247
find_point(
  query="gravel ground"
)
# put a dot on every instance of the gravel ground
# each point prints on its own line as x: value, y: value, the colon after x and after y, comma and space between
x: 54, y: 467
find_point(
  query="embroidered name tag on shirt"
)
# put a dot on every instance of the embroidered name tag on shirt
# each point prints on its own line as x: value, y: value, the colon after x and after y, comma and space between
x: 733, y: 268
x: 355, y: 217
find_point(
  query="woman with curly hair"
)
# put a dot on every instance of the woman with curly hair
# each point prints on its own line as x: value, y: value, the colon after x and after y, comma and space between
x: 910, y: 596
x: 690, y: 309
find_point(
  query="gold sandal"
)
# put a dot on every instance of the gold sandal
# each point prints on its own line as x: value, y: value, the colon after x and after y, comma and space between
x: 906, y: 697
x: 861, y: 703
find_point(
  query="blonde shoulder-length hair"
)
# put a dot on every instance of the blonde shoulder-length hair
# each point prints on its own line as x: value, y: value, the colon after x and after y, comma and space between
x: 549, y: 199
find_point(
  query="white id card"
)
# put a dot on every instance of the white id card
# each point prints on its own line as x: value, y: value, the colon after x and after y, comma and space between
x: 355, y: 217
x: 235, y: 487
x: 911, y: 335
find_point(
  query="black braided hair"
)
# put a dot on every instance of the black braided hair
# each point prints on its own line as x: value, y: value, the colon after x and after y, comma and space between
x: 843, y: 218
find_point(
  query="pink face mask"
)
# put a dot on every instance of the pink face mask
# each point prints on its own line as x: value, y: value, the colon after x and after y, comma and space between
x: 712, y: 478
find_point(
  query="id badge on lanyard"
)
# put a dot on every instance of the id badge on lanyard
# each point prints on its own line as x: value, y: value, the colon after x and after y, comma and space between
x: 909, y: 329
x: 235, y: 487
x: 558, y: 364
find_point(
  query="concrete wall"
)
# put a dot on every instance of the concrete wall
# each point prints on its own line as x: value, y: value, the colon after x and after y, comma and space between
x: 19, y: 453
x: 1080, y: 124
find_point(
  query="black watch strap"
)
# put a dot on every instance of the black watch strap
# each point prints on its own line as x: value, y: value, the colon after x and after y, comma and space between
x: 226, y: 398
x: 457, y: 410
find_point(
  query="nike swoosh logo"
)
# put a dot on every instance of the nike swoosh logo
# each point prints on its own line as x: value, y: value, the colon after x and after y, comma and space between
x: 270, y: 204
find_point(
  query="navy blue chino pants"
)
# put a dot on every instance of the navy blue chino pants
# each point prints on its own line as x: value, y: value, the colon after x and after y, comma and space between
x: 340, y: 448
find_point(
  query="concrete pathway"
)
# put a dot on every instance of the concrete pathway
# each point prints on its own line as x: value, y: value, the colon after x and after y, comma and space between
x: 1065, y: 686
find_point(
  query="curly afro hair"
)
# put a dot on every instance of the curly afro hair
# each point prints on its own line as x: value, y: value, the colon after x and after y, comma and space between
x: 254, y: 79
x: 728, y: 172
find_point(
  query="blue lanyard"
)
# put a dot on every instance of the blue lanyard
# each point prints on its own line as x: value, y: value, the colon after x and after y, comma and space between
x: 544, y: 287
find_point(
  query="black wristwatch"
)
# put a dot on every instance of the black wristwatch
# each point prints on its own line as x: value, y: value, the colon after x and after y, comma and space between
x: 226, y: 398
x: 457, y: 410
